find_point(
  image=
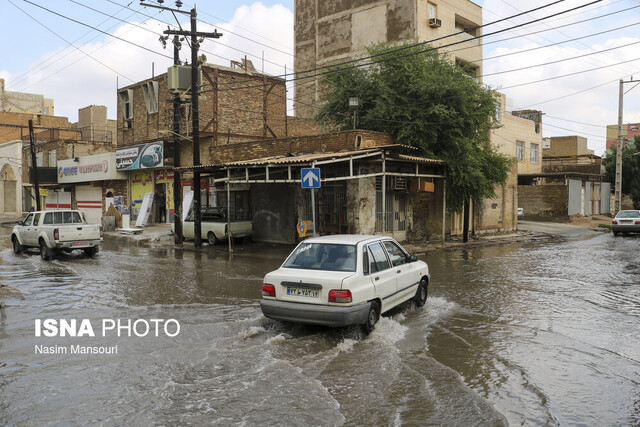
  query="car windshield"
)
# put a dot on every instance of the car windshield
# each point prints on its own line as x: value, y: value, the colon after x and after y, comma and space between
x: 628, y: 214
x: 323, y: 256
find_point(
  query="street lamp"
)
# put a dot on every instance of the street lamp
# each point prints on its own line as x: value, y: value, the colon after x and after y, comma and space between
x: 354, y: 104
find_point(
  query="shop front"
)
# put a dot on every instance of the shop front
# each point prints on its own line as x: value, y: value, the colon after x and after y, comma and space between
x: 87, y: 183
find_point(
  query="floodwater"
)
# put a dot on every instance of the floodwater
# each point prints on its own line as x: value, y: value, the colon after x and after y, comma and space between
x: 542, y: 333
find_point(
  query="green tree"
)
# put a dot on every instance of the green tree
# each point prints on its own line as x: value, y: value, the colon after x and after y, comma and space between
x: 426, y: 101
x: 630, y: 170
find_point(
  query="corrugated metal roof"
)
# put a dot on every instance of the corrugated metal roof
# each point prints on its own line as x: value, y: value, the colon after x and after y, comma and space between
x: 420, y: 159
x: 311, y: 157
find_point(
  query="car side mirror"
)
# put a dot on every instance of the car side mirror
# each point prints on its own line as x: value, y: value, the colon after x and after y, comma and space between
x: 413, y: 258
x: 20, y: 223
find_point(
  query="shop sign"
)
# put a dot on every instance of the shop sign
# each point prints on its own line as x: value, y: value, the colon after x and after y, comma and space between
x: 98, y: 167
x: 141, y: 156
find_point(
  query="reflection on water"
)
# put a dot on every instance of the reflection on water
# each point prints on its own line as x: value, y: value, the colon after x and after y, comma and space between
x: 541, y: 333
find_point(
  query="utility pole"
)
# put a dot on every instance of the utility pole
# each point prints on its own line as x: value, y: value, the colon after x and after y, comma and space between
x: 177, y: 179
x: 34, y: 165
x: 618, y: 184
x: 195, y: 124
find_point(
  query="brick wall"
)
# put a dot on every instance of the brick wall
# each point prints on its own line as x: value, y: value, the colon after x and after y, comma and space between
x: 309, y: 144
x: 10, y: 133
x: 544, y: 201
x: 234, y: 106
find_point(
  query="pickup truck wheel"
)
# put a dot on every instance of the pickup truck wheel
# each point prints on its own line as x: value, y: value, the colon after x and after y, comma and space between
x: 17, y: 247
x: 372, y: 318
x: 90, y: 252
x: 421, y: 294
x: 211, y: 238
x: 46, y: 253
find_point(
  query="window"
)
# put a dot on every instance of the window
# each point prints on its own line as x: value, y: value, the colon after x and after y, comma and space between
x: 397, y: 255
x: 125, y: 98
x: 36, y: 219
x: 150, y: 91
x: 534, y: 153
x: 39, y: 159
x: 57, y: 217
x: 520, y: 151
x: 27, y: 221
x: 378, y: 258
x: 48, y: 218
x: 432, y: 9
x: 52, y: 158
x: 323, y: 256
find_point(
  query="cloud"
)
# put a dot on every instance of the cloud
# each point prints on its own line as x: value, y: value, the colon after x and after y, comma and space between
x: 572, y: 104
x: 91, y: 73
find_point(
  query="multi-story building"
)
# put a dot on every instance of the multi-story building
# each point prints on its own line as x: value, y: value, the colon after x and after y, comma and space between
x: 20, y: 102
x: 629, y: 131
x: 236, y: 104
x: 328, y: 32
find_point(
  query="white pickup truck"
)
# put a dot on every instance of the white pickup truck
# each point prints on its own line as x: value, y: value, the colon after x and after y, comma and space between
x: 215, y: 227
x: 54, y: 231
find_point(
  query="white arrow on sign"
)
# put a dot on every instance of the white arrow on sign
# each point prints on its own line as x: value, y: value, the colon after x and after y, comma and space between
x: 310, y: 176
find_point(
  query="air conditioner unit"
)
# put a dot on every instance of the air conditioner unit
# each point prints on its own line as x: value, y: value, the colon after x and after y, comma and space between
x: 435, y: 22
x: 398, y: 183
x: 179, y: 79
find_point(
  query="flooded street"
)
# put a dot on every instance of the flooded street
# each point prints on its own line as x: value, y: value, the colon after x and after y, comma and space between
x: 539, y: 333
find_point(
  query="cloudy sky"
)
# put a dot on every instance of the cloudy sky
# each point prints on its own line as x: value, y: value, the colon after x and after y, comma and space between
x: 78, y: 52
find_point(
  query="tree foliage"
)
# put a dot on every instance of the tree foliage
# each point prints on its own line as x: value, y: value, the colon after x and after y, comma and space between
x: 630, y: 170
x: 425, y: 101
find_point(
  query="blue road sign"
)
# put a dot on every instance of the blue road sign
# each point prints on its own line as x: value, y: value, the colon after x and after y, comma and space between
x: 310, y: 177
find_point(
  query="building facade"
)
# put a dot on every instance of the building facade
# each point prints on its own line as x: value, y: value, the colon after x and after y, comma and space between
x: 629, y: 131
x: 328, y: 32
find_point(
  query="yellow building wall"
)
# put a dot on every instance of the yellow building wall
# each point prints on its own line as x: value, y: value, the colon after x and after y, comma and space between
x: 511, y: 129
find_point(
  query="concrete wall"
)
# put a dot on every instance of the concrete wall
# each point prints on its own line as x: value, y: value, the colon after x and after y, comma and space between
x: 331, y: 31
x: 544, y: 201
x: 24, y: 102
x: 500, y: 213
x: 511, y: 129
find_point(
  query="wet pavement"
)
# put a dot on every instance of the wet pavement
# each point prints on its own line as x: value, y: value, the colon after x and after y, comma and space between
x: 525, y: 332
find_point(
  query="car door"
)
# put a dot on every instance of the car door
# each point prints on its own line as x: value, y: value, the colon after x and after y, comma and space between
x: 382, y: 276
x: 406, y: 277
x: 34, y: 230
x: 25, y: 230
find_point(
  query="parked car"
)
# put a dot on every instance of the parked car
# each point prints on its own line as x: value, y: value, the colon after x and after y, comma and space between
x: 627, y: 221
x: 520, y: 213
x: 54, y: 231
x: 344, y: 280
x: 214, y: 226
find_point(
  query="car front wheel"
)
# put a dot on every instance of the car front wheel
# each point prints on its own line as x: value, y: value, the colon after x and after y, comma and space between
x: 421, y: 294
x: 372, y: 317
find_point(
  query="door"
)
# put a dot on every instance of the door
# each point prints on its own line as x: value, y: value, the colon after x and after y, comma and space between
x: 403, y: 269
x: 89, y: 201
x: 57, y: 200
x: 25, y: 230
x: 382, y: 275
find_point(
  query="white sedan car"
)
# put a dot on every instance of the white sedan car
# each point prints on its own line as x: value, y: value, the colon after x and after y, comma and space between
x: 344, y: 280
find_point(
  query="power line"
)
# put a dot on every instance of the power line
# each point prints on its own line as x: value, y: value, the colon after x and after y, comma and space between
x: 335, y: 68
x: 97, y: 29
x: 69, y: 43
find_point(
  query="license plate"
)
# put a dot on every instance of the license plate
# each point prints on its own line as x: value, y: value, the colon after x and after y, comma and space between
x: 303, y: 292
x: 80, y: 243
